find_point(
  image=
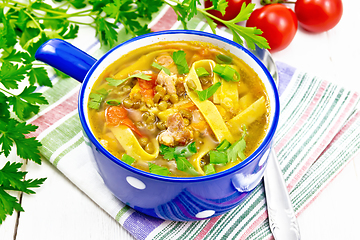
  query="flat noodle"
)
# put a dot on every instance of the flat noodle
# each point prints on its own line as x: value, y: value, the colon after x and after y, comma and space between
x: 248, y: 116
x: 142, y: 64
x: 195, y: 159
x: 207, y: 108
x: 227, y: 95
x: 132, y: 147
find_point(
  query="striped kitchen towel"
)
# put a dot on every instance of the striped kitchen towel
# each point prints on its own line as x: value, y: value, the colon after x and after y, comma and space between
x: 318, y: 134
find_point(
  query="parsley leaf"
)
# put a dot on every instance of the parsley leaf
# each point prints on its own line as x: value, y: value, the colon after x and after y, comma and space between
x: 105, y: 31
x: 39, y: 75
x: 180, y: 61
x: 117, y: 82
x: 11, y: 178
x: 237, y: 150
x: 11, y: 74
x: 184, y: 165
x: 13, y: 132
x: 26, y: 102
x: 205, y: 94
x: 159, y: 170
x: 158, y: 66
x: 96, y: 98
x: 180, y: 154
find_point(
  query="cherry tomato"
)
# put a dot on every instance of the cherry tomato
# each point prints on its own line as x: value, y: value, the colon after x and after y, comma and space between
x: 231, y: 11
x: 318, y: 15
x: 278, y: 23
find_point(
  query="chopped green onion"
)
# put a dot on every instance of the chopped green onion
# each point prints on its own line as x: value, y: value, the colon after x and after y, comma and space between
x: 158, y: 66
x: 201, y: 72
x: 218, y: 157
x: 209, y: 169
x: 113, y: 102
x: 223, y: 59
x: 180, y: 61
x: 159, y: 170
x: 205, y: 94
x: 225, y: 144
x: 227, y: 73
x: 127, y: 159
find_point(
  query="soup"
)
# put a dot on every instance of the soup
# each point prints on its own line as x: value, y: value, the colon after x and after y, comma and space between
x: 181, y: 109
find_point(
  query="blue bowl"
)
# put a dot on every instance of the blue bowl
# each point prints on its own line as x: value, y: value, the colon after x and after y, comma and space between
x: 170, y: 198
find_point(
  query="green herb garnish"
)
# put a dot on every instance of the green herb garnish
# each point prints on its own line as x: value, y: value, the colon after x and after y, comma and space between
x: 180, y: 61
x: 159, y: 170
x: 226, y: 152
x: 223, y: 59
x: 180, y: 154
x: 201, y: 72
x: 184, y: 165
x: 117, y: 82
x: 11, y: 178
x: 187, y: 150
x: 225, y: 144
x: 218, y: 157
x: 96, y: 98
x: 158, y: 66
x: 209, y: 169
x: 226, y: 72
x: 237, y: 150
x: 113, y: 102
x: 205, y: 94
x: 128, y: 159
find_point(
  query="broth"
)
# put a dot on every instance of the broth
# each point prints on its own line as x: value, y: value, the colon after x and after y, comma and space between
x: 179, y: 109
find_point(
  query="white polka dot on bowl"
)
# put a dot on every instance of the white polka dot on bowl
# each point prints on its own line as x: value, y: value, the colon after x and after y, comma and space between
x: 136, y: 183
x: 205, y: 214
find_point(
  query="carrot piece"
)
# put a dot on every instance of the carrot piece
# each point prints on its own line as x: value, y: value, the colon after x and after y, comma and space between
x: 147, y: 93
x: 145, y: 84
x: 127, y: 122
x: 116, y: 115
x: 189, y: 106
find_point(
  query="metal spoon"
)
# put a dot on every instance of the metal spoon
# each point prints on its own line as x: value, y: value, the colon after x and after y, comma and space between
x: 282, y: 219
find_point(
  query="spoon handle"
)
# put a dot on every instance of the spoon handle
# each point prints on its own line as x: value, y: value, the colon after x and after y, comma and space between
x: 282, y: 219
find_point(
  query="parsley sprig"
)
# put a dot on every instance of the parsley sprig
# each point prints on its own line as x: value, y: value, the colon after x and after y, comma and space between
x: 180, y: 154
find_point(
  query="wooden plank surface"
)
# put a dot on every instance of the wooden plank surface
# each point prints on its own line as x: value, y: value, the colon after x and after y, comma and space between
x: 60, y: 210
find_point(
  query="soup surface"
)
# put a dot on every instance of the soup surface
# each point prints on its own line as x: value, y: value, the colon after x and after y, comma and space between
x: 179, y: 109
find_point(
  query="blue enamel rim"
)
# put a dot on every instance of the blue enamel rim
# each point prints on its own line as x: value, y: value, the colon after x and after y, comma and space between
x: 266, y: 142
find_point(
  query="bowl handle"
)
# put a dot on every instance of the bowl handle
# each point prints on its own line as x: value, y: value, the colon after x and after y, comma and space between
x: 65, y: 57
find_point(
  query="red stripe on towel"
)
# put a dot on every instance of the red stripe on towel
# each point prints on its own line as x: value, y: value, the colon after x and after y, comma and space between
x: 254, y: 225
x: 166, y: 21
x: 207, y: 228
x: 54, y: 115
